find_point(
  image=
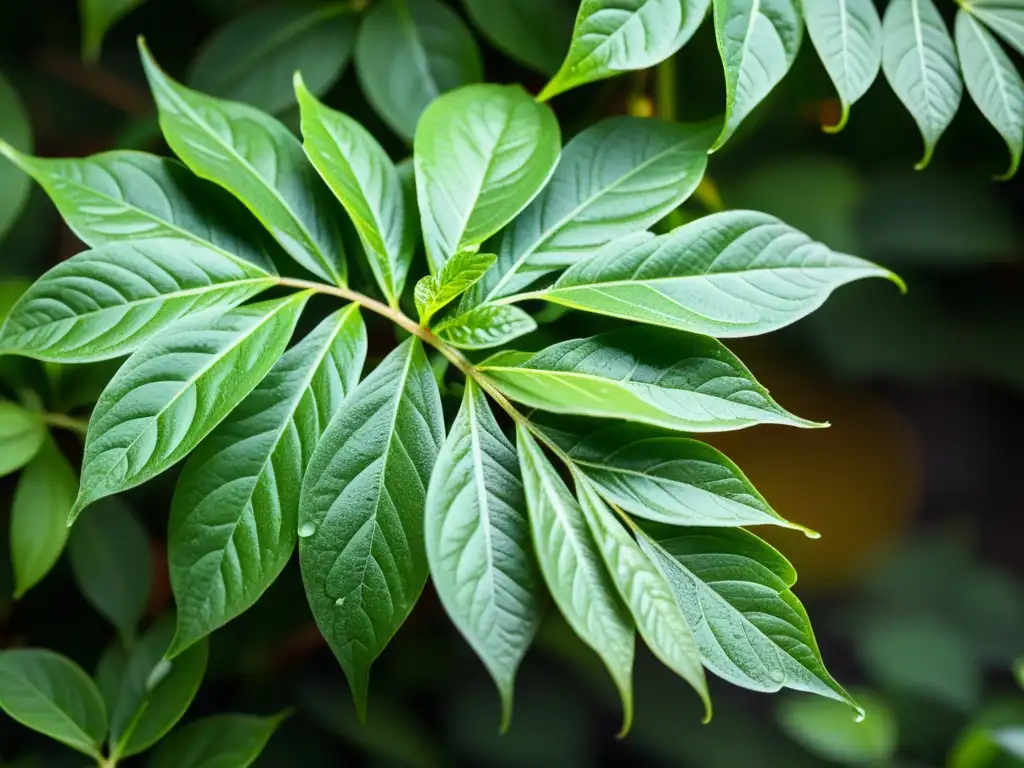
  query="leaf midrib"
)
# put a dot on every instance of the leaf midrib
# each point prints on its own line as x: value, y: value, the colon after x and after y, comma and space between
x: 998, y: 72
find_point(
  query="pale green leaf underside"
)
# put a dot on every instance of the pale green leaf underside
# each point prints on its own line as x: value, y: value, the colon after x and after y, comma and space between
x: 485, y: 326
x: 1004, y: 17
x: 458, y: 275
x: 220, y: 741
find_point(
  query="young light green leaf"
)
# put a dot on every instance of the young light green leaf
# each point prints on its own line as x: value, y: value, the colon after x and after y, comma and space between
x: 735, y: 592
x: 408, y: 53
x: 51, y: 694
x: 758, y: 40
x: 22, y: 433
x: 363, y: 178
x: 252, y: 58
x: 533, y: 32
x: 478, y: 544
x: 361, y: 511
x: 107, y: 302
x: 39, y: 516
x: 97, y: 17
x: 847, y: 34
x: 174, y: 390
x: 615, y: 178
x: 15, y: 131
x: 235, y: 510
x: 1004, y: 17
x: 109, y: 552
x: 220, y: 741
x: 459, y: 274
x: 920, y: 64
x: 257, y: 160
x: 658, y: 475
x: 482, y: 153
x: 613, y: 36
x: 571, y: 564
x: 738, y: 273
x: 486, y: 326
x: 645, y: 592
x: 994, y: 84
x: 666, y: 378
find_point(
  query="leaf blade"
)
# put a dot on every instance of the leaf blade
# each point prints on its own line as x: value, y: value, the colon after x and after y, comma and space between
x: 22, y: 433
x: 233, y: 741
x: 486, y: 326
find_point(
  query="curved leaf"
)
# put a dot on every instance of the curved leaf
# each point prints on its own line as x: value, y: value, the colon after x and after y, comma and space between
x: 15, y: 134
x: 108, y: 302
x: 235, y: 510
x: 220, y: 741
x: 482, y: 153
x: 459, y: 274
x: 847, y: 35
x: 408, y: 53
x: 97, y: 17
x: 738, y: 273
x: 758, y: 41
x: 676, y: 380
x: 485, y: 326
x: 361, y: 511
x: 533, y: 32
x: 613, y: 36
x: 173, y: 391
x: 22, y: 433
x: 478, y: 543
x: 920, y: 64
x: 1004, y: 18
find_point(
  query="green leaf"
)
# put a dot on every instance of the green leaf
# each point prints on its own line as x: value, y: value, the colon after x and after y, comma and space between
x: 738, y: 273
x: 408, y: 53
x: 39, y: 515
x: 646, y: 592
x: 22, y: 434
x: 920, y: 64
x: 220, y: 741
x: 826, y: 729
x: 257, y: 160
x: 235, y: 510
x: 363, y: 178
x: 482, y: 153
x: 735, y: 591
x: 570, y: 561
x: 110, y: 673
x: 174, y: 390
x: 615, y: 178
x: 15, y: 131
x: 758, y: 41
x: 1004, y: 18
x: 994, y: 84
x: 50, y: 694
x: 252, y: 59
x: 361, y: 511
x: 847, y: 34
x: 109, y: 552
x: 533, y: 32
x: 666, y: 378
x: 485, y: 326
x: 97, y: 17
x: 478, y: 544
x: 460, y: 273
x: 658, y: 475
x: 613, y: 36
x: 154, y: 692
x: 107, y: 302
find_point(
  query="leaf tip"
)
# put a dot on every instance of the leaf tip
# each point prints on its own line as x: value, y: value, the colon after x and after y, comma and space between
x: 898, y: 281
x: 929, y: 150
x: 844, y: 118
x: 708, y: 709
x: 1010, y: 172
x: 301, y: 91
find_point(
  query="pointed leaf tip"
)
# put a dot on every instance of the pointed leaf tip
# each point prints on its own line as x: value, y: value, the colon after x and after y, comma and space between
x: 844, y: 118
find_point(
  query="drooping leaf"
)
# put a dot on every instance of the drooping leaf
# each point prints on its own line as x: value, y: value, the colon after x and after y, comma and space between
x: 826, y: 729
x: 22, y: 433
x: 459, y: 274
x: 408, y: 53
x: 253, y: 58
x: 39, y: 515
x: 109, y: 552
x: 666, y: 378
x: 758, y: 41
x: 738, y: 273
x: 364, y: 179
x: 220, y: 741
x: 615, y: 178
x: 920, y: 64
x: 16, y: 133
x: 1004, y: 17
x: 97, y: 17
x: 533, y: 32
x: 361, y: 511
x: 235, y: 510
x: 107, y: 302
x: 259, y: 161
x: 174, y: 390
x: 485, y: 326
x: 646, y: 593
x: 478, y: 543
x: 613, y: 36
x: 50, y: 694
x: 735, y: 591
x: 847, y: 34
x: 570, y: 561
x: 482, y: 153
x: 994, y: 84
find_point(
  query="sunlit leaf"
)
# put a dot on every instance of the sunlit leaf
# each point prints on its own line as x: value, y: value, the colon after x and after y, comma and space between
x: 459, y: 274
x: 485, y: 326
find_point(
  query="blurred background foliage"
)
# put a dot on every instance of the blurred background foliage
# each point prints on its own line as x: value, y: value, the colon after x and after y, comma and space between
x: 917, y: 584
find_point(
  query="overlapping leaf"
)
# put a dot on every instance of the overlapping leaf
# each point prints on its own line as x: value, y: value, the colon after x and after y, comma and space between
x: 460, y: 273
x: 485, y: 326
x: 533, y: 32
x: 1004, y: 17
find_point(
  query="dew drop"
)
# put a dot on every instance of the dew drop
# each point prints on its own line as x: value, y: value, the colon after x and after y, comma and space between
x: 339, y: 602
x: 859, y: 717
x: 306, y: 530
